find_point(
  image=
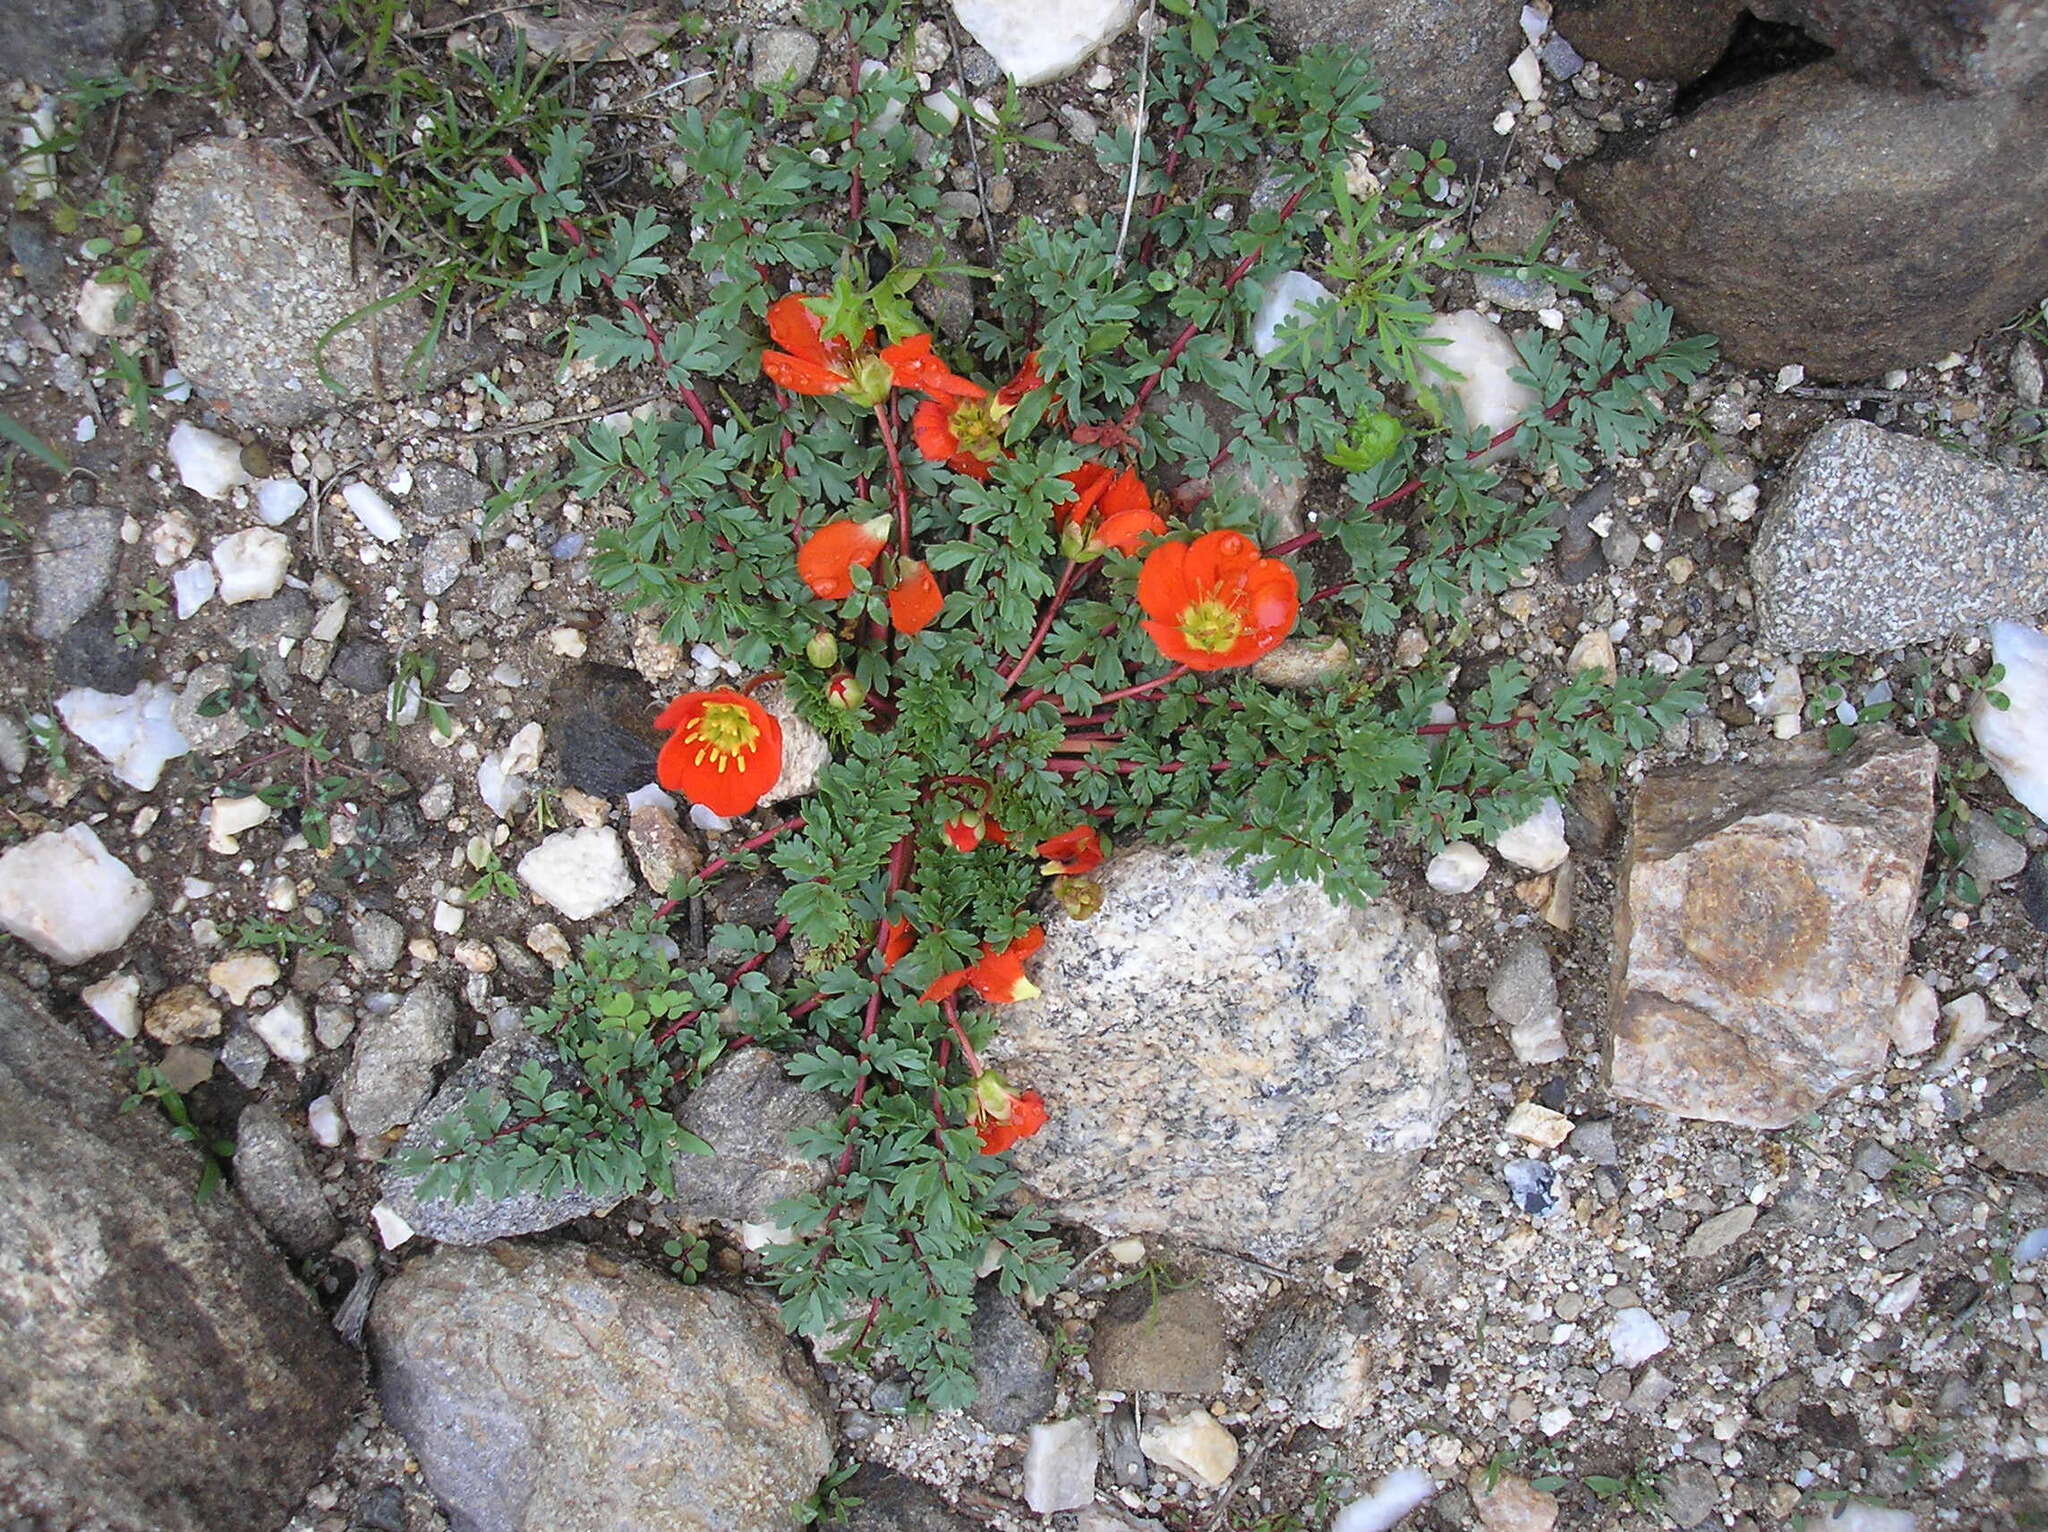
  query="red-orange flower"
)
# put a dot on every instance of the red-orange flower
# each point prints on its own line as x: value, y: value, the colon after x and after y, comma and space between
x: 915, y: 600
x: 897, y: 940
x: 997, y: 975
x: 724, y: 751
x: 967, y: 434
x: 970, y: 828
x: 1109, y: 510
x: 810, y: 362
x: 1003, y: 1116
x: 825, y: 561
x: 1215, y: 603
x: 1071, y: 852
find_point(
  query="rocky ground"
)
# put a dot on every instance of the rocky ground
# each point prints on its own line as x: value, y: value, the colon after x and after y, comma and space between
x: 1741, y: 1225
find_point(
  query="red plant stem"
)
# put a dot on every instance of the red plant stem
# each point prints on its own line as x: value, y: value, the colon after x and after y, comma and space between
x: 1052, y: 610
x: 781, y: 929
x: 1194, y: 328
x: 1171, y: 164
x: 690, y: 397
x: 1461, y: 725
x: 1153, y: 685
x: 902, y: 485
x: 899, y: 874
x: 719, y: 864
x: 1082, y: 742
x: 967, y: 1053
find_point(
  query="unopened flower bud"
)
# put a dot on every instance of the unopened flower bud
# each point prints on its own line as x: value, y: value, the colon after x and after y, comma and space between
x: 1074, y: 544
x: 823, y: 649
x: 845, y: 691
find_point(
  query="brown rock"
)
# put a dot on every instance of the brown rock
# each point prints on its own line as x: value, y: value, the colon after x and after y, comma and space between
x: 1760, y: 928
x: 1967, y: 46
x: 1511, y: 1504
x: 1163, y: 1343
x: 1650, y: 39
x: 2013, y: 1128
x: 661, y: 846
x: 1813, y: 218
x: 181, y: 1015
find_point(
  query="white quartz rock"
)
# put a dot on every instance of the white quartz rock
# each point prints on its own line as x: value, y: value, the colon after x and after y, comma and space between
x: 134, y: 733
x: 1040, y: 40
x: 1457, y: 869
x: 1537, y: 843
x: 206, y: 463
x: 501, y: 775
x: 1635, y: 1337
x: 1194, y: 1445
x: 1851, y: 1517
x: 392, y: 1229
x: 1389, y: 1500
x: 582, y: 873
x: 68, y: 897
x: 373, y: 512
x: 251, y: 564
x: 99, y: 307
x: 1059, y: 1466
x: 1292, y: 295
x: 2014, y: 739
x: 323, y: 1121
x: 1913, y: 1022
x: 284, y: 1031
x: 278, y: 501
x: 1968, y: 1021
x: 193, y: 585
x: 1479, y: 356
x: 116, y: 1000
x: 227, y: 818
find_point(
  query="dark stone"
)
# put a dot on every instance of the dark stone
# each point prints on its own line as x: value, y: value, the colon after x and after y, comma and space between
x: 1441, y: 64
x: 444, y: 492
x: 2013, y: 1127
x: 1016, y: 1387
x: 603, y: 725
x: 163, y: 1369
x: 1120, y: 1446
x: 1169, y: 1341
x: 260, y: 624
x: 1578, y: 547
x: 39, y: 253
x: 1650, y: 39
x: 1973, y: 47
x: 380, y: 1510
x: 47, y: 41
x: 91, y: 654
x: 746, y: 1110
x: 361, y: 666
x: 891, y: 1502
x: 399, y: 829
x: 2033, y: 890
x: 1816, y: 219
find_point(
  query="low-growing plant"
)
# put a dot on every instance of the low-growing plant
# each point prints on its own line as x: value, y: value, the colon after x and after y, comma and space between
x: 152, y: 1085
x: 140, y: 615
x: 1020, y: 651
x: 1640, y: 1489
x: 282, y: 940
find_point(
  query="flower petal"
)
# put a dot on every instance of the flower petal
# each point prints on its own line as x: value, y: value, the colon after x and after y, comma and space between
x: 932, y: 429
x: 826, y: 560
x: 800, y: 376
x: 912, y: 365
x: 915, y: 600
x: 797, y: 329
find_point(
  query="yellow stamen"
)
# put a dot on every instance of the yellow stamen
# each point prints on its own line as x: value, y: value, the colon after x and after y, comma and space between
x: 724, y: 732
x: 1210, y: 626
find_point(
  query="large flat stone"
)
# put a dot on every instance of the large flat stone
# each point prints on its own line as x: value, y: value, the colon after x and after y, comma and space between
x: 1760, y: 928
x: 1252, y: 1070
x: 1874, y: 539
x: 162, y: 1370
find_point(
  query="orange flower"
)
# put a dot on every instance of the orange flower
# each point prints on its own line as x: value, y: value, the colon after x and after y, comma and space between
x: 996, y: 976
x: 970, y: 828
x: 724, y: 751
x: 897, y: 940
x: 1003, y: 1116
x: 967, y: 434
x: 1109, y: 510
x: 912, y: 365
x: 1215, y: 603
x: 915, y: 599
x: 810, y: 362
x: 826, y: 560
x: 1072, y: 852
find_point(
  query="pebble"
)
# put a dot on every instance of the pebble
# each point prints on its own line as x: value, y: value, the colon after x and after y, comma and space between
x: 1967, y: 1023
x: 1388, y: 1501
x: 1526, y: 71
x: 1594, y: 655
x: 116, y: 1000
x: 323, y: 1121
x: 372, y: 512
x: 278, y: 501
x: 1719, y: 1232
x: 134, y: 733
x: 251, y: 565
x: 783, y: 58
x: 1194, y: 1445
x: 1532, y: 1184
x: 1635, y: 1336
x: 2014, y: 739
x: 1059, y: 1466
x: 1522, y: 997
x: 1536, y: 1124
x: 241, y: 974
x: 1457, y: 869
x: 206, y: 463
x: 392, y: 1230
x: 68, y: 897
x: 1915, y: 1017
x: 182, y: 1014
x: 580, y: 872
x: 1537, y: 842
x: 1290, y: 297
x: 227, y: 819
x: 192, y: 586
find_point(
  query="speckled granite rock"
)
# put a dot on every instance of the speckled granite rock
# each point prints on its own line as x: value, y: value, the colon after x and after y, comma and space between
x: 546, y: 1388
x: 161, y: 1371
x: 1252, y: 1070
x: 1760, y: 928
x: 746, y: 1110
x: 1874, y: 539
x: 257, y: 269
x: 48, y: 41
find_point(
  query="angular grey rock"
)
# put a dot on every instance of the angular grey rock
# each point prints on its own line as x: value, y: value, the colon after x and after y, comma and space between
x: 2013, y: 1127
x: 48, y: 41
x: 1650, y: 39
x: 396, y: 1059
x: 890, y: 1502
x: 1968, y: 46
x: 1812, y: 218
x: 443, y: 492
x: 1989, y: 854
x: 546, y: 1388
x: 1015, y: 1386
x: 746, y: 1110
x: 273, y: 1177
x: 1760, y: 928
x: 73, y: 560
x: 1441, y: 64
x: 782, y: 57
x: 1252, y: 1070
x: 477, y: 1220
x: 379, y: 941
x: 1874, y: 539
x: 1314, y: 1353
x: 257, y: 269
x: 162, y: 1371
x: 1170, y: 1342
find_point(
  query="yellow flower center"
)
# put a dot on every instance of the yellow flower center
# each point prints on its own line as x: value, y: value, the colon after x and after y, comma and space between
x: 976, y: 429
x: 1210, y: 626
x: 724, y: 732
x: 871, y: 380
